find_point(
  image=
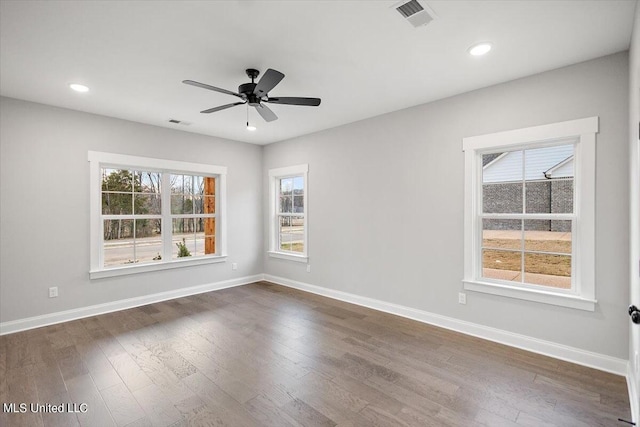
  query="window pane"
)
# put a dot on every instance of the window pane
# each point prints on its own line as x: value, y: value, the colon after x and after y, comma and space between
x: 187, y: 183
x: 149, y: 182
x: 298, y: 204
x: 285, y: 204
x: 209, y: 204
x: 209, y: 186
x: 298, y: 185
x: 148, y: 240
x: 146, y: 204
x: 146, y: 228
x: 544, y: 166
x: 507, y: 167
x: 502, y: 233
x: 286, y: 186
x: 117, y: 203
x: 502, y: 182
x: 199, y: 185
x: 183, y: 237
x: 209, y: 226
x: 503, y: 265
x: 538, y: 196
x: 291, y: 232
x: 502, y: 197
x: 199, y: 244
x: 285, y: 241
x: 547, y: 235
x: 297, y: 234
x: 548, y: 270
x: 117, y: 180
x: 210, y: 245
x: 181, y: 205
x: 118, y: 242
x: 562, y: 195
x: 198, y: 205
x: 176, y: 184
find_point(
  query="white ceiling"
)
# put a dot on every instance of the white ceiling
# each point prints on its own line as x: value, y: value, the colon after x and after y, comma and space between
x: 361, y: 57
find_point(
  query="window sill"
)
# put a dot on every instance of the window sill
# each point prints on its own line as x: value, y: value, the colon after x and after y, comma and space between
x: 546, y: 297
x: 134, y: 269
x: 290, y: 257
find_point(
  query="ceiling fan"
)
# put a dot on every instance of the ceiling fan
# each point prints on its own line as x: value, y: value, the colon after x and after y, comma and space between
x: 256, y: 94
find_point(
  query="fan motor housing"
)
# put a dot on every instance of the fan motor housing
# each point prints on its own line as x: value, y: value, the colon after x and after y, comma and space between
x: 246, y: 90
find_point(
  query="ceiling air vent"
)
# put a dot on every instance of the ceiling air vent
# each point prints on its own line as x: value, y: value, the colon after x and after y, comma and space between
x: 174, y: 121
x: 416, y: 13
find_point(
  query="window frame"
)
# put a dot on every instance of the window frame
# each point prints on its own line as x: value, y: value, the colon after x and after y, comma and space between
x: 98, y: 160
x: 274, y: 176
x: 583, y: 132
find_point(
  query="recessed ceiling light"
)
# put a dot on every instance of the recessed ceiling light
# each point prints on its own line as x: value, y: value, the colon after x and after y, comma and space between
x: 480, y: 49
x: 78, y: 87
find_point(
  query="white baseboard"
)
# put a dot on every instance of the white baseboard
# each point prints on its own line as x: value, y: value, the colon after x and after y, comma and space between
x: 547, y: 348
x: 634, y: 397
x: 92, y: 310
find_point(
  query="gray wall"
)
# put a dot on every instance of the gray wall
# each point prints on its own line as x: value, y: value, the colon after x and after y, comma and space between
x: 386, y: 203
x: 44, y: 199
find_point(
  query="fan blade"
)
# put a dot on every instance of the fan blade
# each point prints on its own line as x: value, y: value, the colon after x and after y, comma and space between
x: 213, y: 88
x: 267, y: 82
x: 266, y: 113
x: 312, y: 102
x: 222, y: 107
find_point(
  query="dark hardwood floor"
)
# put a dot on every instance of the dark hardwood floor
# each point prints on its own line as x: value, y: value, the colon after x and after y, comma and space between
x: 266, y: 355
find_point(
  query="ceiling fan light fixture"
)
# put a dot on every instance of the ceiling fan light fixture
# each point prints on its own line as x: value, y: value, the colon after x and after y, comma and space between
x: 256, y: 95
x: 480, y: 49
x: 78, y: 87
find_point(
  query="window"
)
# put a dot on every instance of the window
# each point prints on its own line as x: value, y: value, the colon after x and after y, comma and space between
x: 149, y: 214
x: 288, y: 230
x: 529, y: 213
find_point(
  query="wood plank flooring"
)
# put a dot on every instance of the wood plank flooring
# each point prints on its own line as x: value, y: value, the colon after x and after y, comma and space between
x: 266, y: 355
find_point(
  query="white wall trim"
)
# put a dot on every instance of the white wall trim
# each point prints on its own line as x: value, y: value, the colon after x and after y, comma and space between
x: 634, y: 396
x: 553, y: 131
x: 274, y: 190
x: 153, y: 163
x: 547, y: 348
x: 109, y: 307
x: 583, y: 135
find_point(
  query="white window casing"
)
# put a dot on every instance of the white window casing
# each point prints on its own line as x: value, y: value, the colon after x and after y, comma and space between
x: 582, y: 132
x: 274, y: 246
x: 99, y: 160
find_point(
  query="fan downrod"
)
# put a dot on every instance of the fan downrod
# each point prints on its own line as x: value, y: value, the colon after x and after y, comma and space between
x: 252, y: 73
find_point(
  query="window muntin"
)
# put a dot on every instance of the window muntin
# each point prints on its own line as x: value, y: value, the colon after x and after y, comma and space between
x: 527, y: 216
x: 144, y: 207
x: 288, y: 234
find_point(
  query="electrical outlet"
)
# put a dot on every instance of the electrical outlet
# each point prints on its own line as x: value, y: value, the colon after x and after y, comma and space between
x: 308, y: 268
x: 462, y: 298
x: 234, y: 265
x: 53, y: 292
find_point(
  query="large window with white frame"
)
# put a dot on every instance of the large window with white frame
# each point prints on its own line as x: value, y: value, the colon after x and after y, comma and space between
x: 529, y: 213
x: 149, y: 214
x: 289, y: 201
